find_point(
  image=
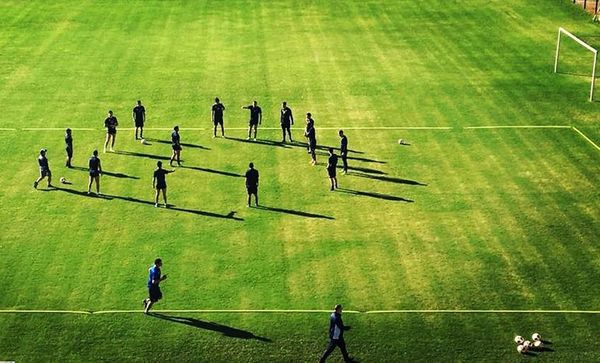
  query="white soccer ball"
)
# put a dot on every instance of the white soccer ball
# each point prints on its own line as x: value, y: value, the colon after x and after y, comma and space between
x: 519, y: 339
x: 538, y: 344
x: 401, y: 141
x: 63, y: 180
x: 536, y: 336
x: 527, y: 343
x: 521, y: 349
x: 143, y: 141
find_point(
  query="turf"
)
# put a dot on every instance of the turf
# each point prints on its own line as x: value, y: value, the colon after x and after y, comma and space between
x: 460, y: 218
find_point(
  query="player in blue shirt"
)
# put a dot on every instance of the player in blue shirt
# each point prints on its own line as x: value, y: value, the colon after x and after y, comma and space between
x: 336, y: 335
x: 176, y: 143
x: 154, y: 279
x: 44, y: 169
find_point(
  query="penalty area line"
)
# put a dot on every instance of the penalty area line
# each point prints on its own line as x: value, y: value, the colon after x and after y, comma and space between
x: 518, y: 127
x: 585, y: 137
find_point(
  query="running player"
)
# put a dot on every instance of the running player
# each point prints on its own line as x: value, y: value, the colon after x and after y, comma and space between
x: 175, y: 140
x: 95, y: 172
x: 255, y: 118
x: 286, y: 119
x: 217, y: 116
x: 139, y: 117
x: 159, y: 182
x: 111, y: 124
x: 252, y: 183
x: 44, y: 170
x: 154, y: 279
x: 344, y: 150
x: 69, y: 147
x: 331, y: 168
x: 311, y: 135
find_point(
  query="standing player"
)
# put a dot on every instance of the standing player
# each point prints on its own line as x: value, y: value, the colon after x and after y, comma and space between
x: 95, y: 172
x: 154, y: 279
x: 255, y: 118
x: 176, y: 142
x: 139, y: 117
x: 159, y: 182
x: 311, y: 135
x: 344, y: 150
x: 44, y: 170
x: 252, y: 183
x: 111, y: 124
x: 331, y: 168
x: 286, y: 119
x: 69, y: 147
x: 336, y: 335
x: 217, y: 116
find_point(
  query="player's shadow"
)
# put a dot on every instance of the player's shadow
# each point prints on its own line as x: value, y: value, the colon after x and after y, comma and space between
x: 294, y: 212
x: 109, y: 173
x: 227, y: 331
x: 374, y: 195
x: 220, y: 172
x: 388, y: 179
x: 230, y: 215
x: 192, y: 146
x: 142, y: 155
x: 260, y: 142
x: 367, y: 160
x: 323, y: 147
x: 364, y: 170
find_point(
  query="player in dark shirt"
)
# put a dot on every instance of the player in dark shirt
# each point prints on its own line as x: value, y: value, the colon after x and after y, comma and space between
x: 44, y: 169
x: 255, y: 118
x: 159, y: 182
x: 139, y: 117
x: 95, y: 168
x: 217, y: 117
x: 344, y: 150
x: 252, y: 183
x: 331, y: 168
x: 111, y: 124
x: 176, y: 143
x: 69, y: 147
x: 311, y: 135
x: 336, y: 335
x: 286, y: 119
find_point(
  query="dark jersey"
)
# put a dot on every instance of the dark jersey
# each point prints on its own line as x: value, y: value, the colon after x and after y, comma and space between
x: 69, y: 141
x: 111, y: 124
x: 336, y: 327
x: 160, y: 176
x: 139, y: 113
x: 311, y: 133
x: 344, y: 145
x: 175, y: 139
x: 332, y: 161
x: 255, y: 113
x: 251, y: 178
x: 94, y: 164
x: 217, y: 110
x: 286, y: 116
x: 43, y: 161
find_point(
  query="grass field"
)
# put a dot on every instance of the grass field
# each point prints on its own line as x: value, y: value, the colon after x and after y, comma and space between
x: 465, y: 231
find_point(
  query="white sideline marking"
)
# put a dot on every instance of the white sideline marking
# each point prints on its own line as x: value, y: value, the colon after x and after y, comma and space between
x: 7, y: 129
x: 519, y: 127
x: 587, y: 138
x: 295, y: 311
x: 56, y: 129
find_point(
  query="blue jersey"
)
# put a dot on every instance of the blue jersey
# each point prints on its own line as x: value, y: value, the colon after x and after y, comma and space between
x: 153, y: 274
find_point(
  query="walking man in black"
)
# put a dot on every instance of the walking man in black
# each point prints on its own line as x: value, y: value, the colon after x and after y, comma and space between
x: 139, y: 117
x: 111, y: 124
x: 159, y: 182
x: 331, y: 168
x: 95, y: 171
x: 255, y: 118
x: 252, y: 183
x: 44, y: 169
x: 311, y: 135
x: 286, y: 119
x: 344, y: 150
x: 217, y: 117
x: 176, y: 143
x: 69, y: 147
x: 336, y: 335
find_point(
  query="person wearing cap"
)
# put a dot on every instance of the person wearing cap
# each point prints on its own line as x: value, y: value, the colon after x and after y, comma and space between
x: 95, y: 169
x: 176, y: 144
x: 252, y: 183
x: 217, y: 116
x: 69, y: 147
x: 44, y: 169
x: 111, y: 124
x: 154, y: 279
x: 336, y: 335
x: 159, y: 182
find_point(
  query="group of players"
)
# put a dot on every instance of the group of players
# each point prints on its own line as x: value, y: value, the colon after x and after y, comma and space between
x: 217, y: 110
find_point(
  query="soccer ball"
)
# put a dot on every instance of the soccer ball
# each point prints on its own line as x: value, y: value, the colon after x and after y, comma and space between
x: 536, y: 336
x: 401, y: 142
x: 521, y: 349
x: 538, y: 344
x: 519, y: 340
x: 527, y: 343
x: 63, y: 180
x: 143, y: 141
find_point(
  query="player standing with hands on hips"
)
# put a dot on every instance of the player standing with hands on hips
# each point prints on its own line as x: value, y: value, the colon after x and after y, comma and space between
x: 95, y: 171
x: 255, y: 118
x: 154, y: 279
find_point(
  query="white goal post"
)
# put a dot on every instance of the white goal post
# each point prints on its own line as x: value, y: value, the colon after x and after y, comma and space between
x: 583, y: 44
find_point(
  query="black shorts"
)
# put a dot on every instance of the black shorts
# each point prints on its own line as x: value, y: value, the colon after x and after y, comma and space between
x: 139, y: 123
x: 253, y: 123
x: 285, y: 126
x: 154, y: 293
x: 218, y: 122
x: 252, y: 189
x: 69, y: 152
x: 177, y: 147
x: 111, y: 132
x: 94, y: 173
x: 331, y: 172
x: 45, y: 172
x: 161, y: 186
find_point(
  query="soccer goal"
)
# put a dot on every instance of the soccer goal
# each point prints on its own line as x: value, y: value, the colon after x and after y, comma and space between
x: 562, y: 31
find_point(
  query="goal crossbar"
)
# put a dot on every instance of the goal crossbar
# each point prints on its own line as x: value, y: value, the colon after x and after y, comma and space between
x: 561, y: 31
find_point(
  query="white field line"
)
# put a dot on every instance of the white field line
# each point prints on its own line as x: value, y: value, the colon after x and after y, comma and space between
x: 587, y: 138
x: 7, y: 129
x: 519, y: 127
x: 301, y: 311
x: 56, y: 129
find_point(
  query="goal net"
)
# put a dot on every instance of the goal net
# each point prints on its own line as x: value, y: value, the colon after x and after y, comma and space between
x: 564, y: 33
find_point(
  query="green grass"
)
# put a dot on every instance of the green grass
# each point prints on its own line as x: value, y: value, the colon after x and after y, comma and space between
x: 461, y: 218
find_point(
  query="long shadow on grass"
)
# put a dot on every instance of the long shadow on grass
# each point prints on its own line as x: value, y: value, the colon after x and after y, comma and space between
x: 220, y: 172
x: 388, y: 179
x: 364, y: 170
x: 374, y: 195
x: 367, y: 160
x: 194, y: 146
x: 227, y: 331
x: 230, y: 215
x: 323, y: 147
x: 109, y: 173
x: 294, y: 212
x: 260, y: 142
x: 142, y: 155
